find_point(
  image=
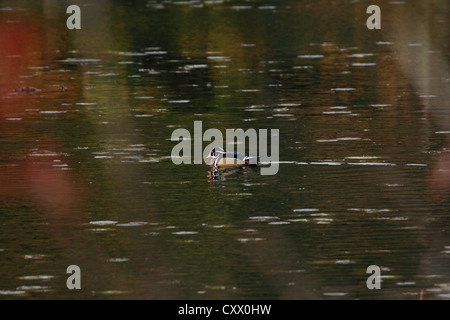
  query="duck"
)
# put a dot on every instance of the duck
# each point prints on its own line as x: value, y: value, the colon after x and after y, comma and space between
x: 222, y: 159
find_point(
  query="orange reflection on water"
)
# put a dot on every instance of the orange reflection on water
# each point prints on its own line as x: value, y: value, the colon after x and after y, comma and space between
x: 440, y: 175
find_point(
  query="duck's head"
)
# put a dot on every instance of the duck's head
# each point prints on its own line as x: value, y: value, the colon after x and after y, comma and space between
x: 215, y: 152
x: 212, y: 153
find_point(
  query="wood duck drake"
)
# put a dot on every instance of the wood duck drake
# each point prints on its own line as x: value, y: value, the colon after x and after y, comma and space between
x: 222, y: 159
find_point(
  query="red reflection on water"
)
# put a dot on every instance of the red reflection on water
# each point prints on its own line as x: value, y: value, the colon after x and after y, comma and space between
x: 20, y: 45
x: 23, y: 174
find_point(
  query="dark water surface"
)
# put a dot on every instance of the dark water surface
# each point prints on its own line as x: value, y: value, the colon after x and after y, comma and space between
x: 86, y: 177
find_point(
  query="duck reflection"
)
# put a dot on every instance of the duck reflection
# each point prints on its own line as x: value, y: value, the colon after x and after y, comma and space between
x: 216, y: 173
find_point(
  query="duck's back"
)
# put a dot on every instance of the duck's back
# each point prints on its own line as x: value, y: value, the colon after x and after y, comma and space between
x: 234, y: 159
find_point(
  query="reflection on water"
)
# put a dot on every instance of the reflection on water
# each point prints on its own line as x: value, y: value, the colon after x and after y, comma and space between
x: 86, y: 177
x: 232, y: 172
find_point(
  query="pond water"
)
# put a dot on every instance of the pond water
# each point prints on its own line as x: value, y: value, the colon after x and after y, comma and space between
x: 86, y: 177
